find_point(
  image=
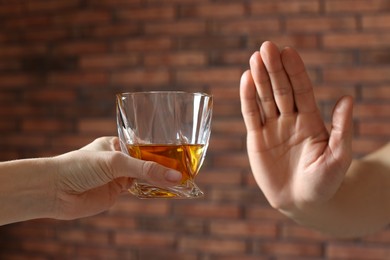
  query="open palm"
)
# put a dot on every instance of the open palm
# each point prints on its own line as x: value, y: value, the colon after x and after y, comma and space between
x: 294, y: 159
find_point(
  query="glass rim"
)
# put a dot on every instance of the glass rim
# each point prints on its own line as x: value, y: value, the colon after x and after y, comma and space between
x: 122, y: 94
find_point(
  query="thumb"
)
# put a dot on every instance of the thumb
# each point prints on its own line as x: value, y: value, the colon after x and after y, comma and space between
x: 340, y: 141
x: 123, y: 165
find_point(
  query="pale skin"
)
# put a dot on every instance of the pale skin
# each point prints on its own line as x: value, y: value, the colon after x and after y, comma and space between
x: 77, y: 184
x: 304, y: 170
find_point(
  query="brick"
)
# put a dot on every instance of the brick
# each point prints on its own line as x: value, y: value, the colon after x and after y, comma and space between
x: 97, y: 126
x: 370, y: 111
x: 356, y: 40
x: 77, y: 79
x: 17, y: 80
x: 374, y: 129
x: 210, y: 76
x: 94, y: 252
x: 19, y: 50
x: 11, y: 9
x: 48, y: 247
x: 205, y: 211
x: 250, y: 180
x: 220, y: 144
x: 282, y: 7
x: 264, y: 213
x: 213, y: 10
x: 226, y: 127
x: 232, y: 57
x: 7, y: 156
x: 211, y: 42
x: 132, y: 206
x: 66, y: 142
x: 296, y: 232
x: 29, y: 110
x: 227, y: 110
x: 29, y: 141
x: 141, y: 77
x: 349, y: 251
x: 374, y: 57
x: 236, y: 195
x: 355, y: 6
x: 326, y: 93
x: 80, y: 47
x: 375, y: 22
x: 364, y: 146
x: 290, y: 249
x: 172, y: 224
x: 243, y: 229
x: 321, y: 24
x: 225, y: 93
x: 137, y: 239
x: 208, y: 245
x: 232, y: 160
x: 44, y: 6
x: 176, y: 59
x: 246, y: 27
x: 80, y: 18
x: 50, y: 35
x: 78, y: 236
x: 7, y: 125
x: 382, y: 236
x: 239, y: 256
x: 177, y: 1
x: 108, y: 61
x: 176, y: 28
x: 147, y: 14
x: 356, y: 74
x: 144, y: 44
x: 51, y: 96
x: 108, y: 222
x: 19, y: 256
x: 30, y: 231
x: 45, y: 125
x: 381, y: 92
x: 10, y: 66
x: 323, y: 57
x: 114, y: 3
x: 27, y: 22
x: 300, y: 41
x: 166, y: 255
x: 225, y: 178
x: 112, y: 30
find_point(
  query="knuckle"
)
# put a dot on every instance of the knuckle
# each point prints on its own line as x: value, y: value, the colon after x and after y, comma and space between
x: 254, y: 60
x: 110, y: 161
x: 148, y: 168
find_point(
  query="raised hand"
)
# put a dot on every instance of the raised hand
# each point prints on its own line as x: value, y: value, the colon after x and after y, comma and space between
x: 295, y: 160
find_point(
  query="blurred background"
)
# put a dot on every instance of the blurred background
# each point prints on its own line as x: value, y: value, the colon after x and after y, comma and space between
x: 61, y: 63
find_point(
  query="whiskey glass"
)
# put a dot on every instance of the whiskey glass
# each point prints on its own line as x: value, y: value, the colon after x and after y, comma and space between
x: 171, y: 128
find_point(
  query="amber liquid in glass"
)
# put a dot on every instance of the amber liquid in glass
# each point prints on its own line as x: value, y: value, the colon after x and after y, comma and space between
x: 186, y: 158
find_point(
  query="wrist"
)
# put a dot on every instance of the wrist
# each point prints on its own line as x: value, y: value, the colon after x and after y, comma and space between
x: 27, y: 189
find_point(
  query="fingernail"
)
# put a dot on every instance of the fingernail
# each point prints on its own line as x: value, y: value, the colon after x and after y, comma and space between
x: 173, y: 176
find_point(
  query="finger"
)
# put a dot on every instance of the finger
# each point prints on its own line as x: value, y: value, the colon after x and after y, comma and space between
x: 340, y: 140
x: 263, y: 86
x: 249, y: 103
x: 300, y: 81
x: 105, y: 143
x: 280, y: 83
x: 122, y: 165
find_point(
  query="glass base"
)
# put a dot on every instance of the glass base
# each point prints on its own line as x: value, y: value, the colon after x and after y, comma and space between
x: 144, y: 190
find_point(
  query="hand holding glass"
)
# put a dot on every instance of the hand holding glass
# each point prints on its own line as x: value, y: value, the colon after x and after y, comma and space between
x: 168, y: 127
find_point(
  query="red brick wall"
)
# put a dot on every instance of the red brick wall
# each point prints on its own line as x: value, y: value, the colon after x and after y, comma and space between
x: 61, y: 62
